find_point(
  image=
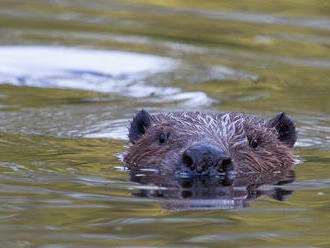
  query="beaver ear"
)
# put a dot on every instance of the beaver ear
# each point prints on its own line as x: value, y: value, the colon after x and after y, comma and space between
x: 140, y: 123
x: 285, y: 128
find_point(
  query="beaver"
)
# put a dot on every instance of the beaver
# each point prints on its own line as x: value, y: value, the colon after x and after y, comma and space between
x: 208, y: 144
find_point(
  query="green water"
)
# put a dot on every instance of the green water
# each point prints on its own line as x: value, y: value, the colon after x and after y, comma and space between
x: 62, y: 181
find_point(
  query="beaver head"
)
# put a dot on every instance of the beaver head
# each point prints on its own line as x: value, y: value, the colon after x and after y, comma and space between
x: 210, y: 143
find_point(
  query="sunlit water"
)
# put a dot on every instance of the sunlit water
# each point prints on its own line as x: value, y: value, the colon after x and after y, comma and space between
x: 73, y: 73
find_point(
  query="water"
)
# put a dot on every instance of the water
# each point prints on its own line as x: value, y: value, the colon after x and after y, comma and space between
x: 73, y: 73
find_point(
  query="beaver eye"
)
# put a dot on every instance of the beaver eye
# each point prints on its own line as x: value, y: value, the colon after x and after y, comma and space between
x: 254, y: 143
x: 162, y: 138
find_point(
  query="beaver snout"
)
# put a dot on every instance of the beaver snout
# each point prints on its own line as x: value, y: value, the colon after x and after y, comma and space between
x: 205, y: 159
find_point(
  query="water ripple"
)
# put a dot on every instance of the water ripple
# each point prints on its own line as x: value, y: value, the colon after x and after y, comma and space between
x: 133, y: 221
x: 227, y: 15
x: 239, y: 236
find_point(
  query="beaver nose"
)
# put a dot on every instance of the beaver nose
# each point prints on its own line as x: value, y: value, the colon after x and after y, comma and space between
x: 204, y: 157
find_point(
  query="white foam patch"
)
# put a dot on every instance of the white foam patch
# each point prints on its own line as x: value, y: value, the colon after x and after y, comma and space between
x: 31, y: 59
x: 93, y: 70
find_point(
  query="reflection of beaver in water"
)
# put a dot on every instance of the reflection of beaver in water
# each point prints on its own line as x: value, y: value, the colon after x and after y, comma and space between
x: 209, y: 143
x: 204, y: 193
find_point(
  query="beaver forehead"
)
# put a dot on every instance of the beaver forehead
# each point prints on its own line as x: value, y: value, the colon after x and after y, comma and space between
x: 226, y: 129
x: 225, y: 124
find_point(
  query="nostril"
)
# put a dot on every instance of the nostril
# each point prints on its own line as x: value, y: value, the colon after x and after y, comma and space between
x: 187, y: 160
x: 226, y: 162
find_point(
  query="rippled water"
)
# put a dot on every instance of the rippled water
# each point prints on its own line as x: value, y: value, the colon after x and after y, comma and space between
x: 72, y: 73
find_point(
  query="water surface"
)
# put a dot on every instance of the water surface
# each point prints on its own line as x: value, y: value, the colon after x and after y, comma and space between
x: 72, y: 74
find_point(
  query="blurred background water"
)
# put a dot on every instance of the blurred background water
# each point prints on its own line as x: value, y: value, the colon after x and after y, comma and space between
x: 72, y: 73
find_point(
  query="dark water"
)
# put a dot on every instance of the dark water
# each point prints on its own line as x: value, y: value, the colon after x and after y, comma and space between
x: 73, y: 73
